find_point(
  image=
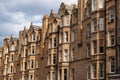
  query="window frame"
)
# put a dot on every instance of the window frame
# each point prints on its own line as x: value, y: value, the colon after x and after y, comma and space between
x: 111, y: 12
x: 101, y: 70
x: 112, y: 63
x: 94, y: 71
x: 94, y: 23
x: 65, y: 55
x: 94, y: 5
x: 101, y: 24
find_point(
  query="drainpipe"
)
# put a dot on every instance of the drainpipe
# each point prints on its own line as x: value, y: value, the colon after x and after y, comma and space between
x: 116, y: 37
x: 105, y: 40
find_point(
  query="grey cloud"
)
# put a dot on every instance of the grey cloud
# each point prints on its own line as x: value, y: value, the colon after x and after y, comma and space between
x: 15, y: 14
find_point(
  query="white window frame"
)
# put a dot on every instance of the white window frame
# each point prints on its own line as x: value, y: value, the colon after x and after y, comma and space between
x: 32, y: 64
x: 67, y: 20
x: 55, y: 27
x: 65, y: 55
x: 33, y: 37
x: 66, y: 37
x: 60, y: 56
x: 101, y: 24
x: 101, y: 4
x: 53, y: 75
x: 94, y: 5
x: 111, y: 14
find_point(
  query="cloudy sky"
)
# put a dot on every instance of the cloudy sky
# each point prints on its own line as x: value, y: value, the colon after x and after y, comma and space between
x: 15, y: 14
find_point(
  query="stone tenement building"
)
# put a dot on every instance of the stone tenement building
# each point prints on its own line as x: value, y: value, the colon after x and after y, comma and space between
x: 76, y: 43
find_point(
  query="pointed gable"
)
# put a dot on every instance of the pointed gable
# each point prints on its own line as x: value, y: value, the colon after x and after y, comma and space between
x: 13, y: 40
x: 31, y: 29
x: 64, y: 9
x: 53, y: 16
x: 25, y: 31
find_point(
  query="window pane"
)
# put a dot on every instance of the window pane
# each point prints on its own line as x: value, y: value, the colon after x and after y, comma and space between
x: 101, y: 23
x: 101, y: 3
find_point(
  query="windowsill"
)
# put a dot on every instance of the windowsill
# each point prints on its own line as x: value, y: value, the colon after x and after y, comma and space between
x: 101, y: 77
x: 101, y: 30
x: 111, y: 73
x: 63, y: 43
x: 93, y: 11
x: 94, y: 32
x: 101, y: 53
x: 97, y: 10
x: 108, y: 0
x: 94, y: 78
x: 112, y: 46
x: 101, y: 9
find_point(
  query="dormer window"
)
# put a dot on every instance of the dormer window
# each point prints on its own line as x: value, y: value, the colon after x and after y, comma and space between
x: 0, y: 54
x: 33, y: 37
x: 67, y: 20
x: 55, y: 27
x: 7, y: 50
x: 50, y: 27
x: 62, y: 20
x: 12, y: 47
x: 26, y: 40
